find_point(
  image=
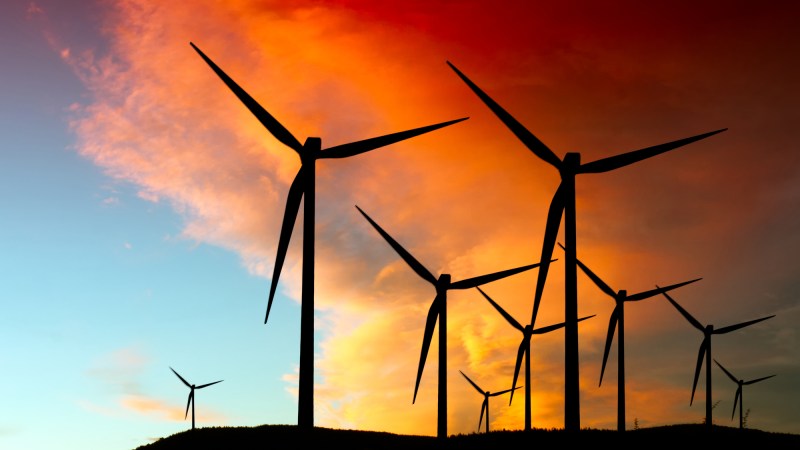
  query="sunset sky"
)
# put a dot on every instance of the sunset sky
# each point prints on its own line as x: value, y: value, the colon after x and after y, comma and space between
x: 141, y: 207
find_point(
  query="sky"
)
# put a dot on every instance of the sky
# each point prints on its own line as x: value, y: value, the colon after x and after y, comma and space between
x: 141, y: 206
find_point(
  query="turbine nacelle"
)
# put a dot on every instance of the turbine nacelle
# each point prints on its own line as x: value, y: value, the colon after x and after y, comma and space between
x: 311, y: 150
x: 443, y: 283
x: 571, y: 163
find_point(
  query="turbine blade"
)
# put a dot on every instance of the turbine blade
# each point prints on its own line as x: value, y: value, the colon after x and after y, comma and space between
x: 266, y: 119
x: 495, y: 394
x: 597, y: 281
x: 612, y: 326
x: 477, y: 388
x: 549, y: 328
x: 415, y: 265
x: 586, y: 317
x: 523, y: 347
x: 484, y: 407
x: 550, y: 235
x: 179, y: 376
x: 532, y: 142
x: 430, y: 323
x: 700, y: 355
x: 617, y: 161
x: 363, y: 146
x: 695, y: 323
x: 758, y: 379
x: 293, y: 199
x: 188, y: 403
x: 730, y: 328
x: 730, y: 375
x: 208, y: 384
x: 488, y: 278
x: 736, y: 401
x: 653, y: 292
x: 502, y: 312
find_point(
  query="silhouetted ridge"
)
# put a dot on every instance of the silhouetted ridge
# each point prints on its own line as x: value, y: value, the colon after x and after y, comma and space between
x: 290, y: 436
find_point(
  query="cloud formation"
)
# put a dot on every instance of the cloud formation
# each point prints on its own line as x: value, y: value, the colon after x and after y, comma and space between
x: 468, y: 199
x: 122, y: 371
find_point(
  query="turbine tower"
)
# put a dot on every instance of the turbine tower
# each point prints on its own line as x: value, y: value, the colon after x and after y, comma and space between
x: 191, y: 393
x: 739, y: 392
x: 485, y: 404
x: 564, y: 202
x: 525, y: 350
x: 705, y: 350
x: 303, y: 188
x: 617, y: 320
x: 438, y: 311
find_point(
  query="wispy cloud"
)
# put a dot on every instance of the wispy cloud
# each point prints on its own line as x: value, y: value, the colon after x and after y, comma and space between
x: 157, y: 408
x: 34, y: 10
x: 121, y: 371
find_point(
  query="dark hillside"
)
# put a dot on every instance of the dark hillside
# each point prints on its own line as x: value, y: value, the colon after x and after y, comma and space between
x: 282, y: 436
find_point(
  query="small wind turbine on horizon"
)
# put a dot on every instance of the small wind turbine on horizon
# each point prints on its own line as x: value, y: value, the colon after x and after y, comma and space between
x: 617, y: 320
x: 525, y: 350
x: 739, y: 392
x: 303, y: 188
x: 192, y: 388
x: 486, y: 395
x: 438, y: 311
x: 564, y: 202
x: 705, y: 349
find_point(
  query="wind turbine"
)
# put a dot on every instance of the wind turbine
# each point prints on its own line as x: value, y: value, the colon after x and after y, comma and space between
x: 525, y: 350
x: 564, y: 202
x: 705, y: 349
x: 739, y: 393
x: 191, y: 393
x: 438, y: 310
x: 617, y: 320
x: 303, y: 187
x: 486, y: 395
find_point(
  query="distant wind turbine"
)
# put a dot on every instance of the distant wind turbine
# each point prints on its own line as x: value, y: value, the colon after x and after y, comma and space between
x: 564, y: 202
x: 617, y: 320
x: 438, y: 310
x: 525, y: 349
x: 705, y: 349
x: 486, y: 395
x: 191, y: 393
x: 303, y: 187
x: 739, y: 392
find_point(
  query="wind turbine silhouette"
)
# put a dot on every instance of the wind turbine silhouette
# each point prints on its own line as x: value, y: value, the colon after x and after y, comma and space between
x: 564, y: 202
x: 617, y: 320
x: 438, y: 310
x: 739, y: 393
x: 705, y: 349
x: 525, y: 350
x: 303, y: 187
x: 486, y: 395
x: 191, y: 393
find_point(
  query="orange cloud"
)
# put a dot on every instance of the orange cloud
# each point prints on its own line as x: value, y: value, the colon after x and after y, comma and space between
x: 466, y: 200
x: 154, y: 407
x: 122, y: 370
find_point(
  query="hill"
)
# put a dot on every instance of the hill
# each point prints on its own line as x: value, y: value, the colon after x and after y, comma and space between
x: 692, y: 435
